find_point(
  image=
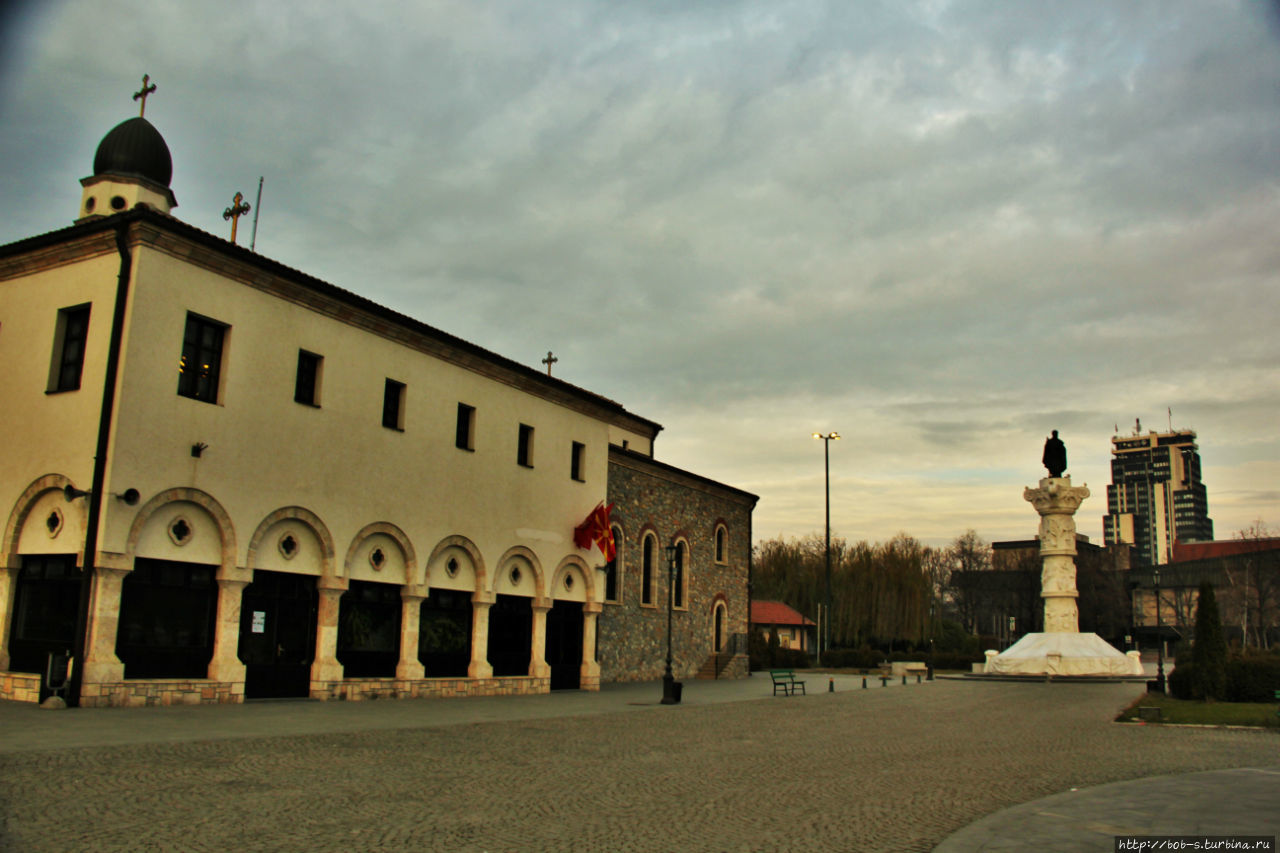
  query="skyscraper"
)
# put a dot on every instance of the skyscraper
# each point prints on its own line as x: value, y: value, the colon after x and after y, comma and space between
x: 1156, y: 497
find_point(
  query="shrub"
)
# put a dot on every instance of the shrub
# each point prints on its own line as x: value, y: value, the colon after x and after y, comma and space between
x: 1250, y: 679
x: 791, y: 659
x: 1253, y: 679
x: 767, y: 653
x: 1179, y: 681
x: 1209, y: 651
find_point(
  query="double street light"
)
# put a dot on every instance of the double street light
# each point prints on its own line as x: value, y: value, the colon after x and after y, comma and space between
x: 824, y: 641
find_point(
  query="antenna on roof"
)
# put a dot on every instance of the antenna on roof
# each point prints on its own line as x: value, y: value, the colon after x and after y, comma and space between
x: 1170, y: 410
x: 257, y: 209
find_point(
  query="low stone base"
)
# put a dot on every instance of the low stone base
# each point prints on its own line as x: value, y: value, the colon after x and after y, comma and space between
x: 160, y: 691
x: 363, y: 689
x: 1063, y: 654
x: 20, y: 686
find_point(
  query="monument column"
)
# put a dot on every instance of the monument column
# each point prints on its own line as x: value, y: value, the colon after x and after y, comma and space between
x: 1060, y: 651
x: 1056, y: 500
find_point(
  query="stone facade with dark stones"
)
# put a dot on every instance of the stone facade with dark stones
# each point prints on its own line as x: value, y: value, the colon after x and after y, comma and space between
x: 655, y: 499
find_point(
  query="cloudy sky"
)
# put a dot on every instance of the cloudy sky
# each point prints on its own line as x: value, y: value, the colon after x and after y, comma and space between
x: 941, y: 229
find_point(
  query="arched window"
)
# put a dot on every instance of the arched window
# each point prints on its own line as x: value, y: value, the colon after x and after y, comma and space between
x: 680, y: 583
x: 722, y: 544
x: 718, y: 637
x: 647, y: 570
x: 613, y: 569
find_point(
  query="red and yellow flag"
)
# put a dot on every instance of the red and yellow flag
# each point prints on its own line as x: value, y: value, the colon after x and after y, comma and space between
x: 595, y: 530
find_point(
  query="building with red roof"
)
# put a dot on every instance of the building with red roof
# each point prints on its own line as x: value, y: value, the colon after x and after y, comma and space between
x: 794, y: 630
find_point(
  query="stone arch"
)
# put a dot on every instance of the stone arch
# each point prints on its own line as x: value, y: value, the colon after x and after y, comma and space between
x: 307, y: 518
x: 22, y: 510
x: 567, y: 567
x: 221, y: 519
x: 520, y: 552
x: 387, y: 529
x: 464, y: 544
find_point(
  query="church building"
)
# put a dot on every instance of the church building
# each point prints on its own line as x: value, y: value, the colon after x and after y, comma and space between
x: 223, y: 479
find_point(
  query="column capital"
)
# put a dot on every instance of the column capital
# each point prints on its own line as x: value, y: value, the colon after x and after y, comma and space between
x: 1056, y: 496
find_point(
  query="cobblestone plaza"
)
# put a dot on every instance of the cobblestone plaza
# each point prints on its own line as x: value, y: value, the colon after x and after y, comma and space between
x: 897, y: 768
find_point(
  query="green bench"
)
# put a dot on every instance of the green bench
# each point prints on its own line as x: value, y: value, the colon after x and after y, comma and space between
x: 786, y: 679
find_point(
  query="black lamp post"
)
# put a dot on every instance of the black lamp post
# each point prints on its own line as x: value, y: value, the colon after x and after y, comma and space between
x: 1159, y: 636
x: 669, y: 691
x: 824, y: 642
x: 929, y: 667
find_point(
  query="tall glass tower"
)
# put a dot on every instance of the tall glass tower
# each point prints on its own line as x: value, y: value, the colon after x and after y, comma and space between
x: 1156, y: 497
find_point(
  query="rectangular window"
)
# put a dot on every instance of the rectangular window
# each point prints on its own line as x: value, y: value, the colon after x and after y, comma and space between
x: 524, y: 452
x: 68, y: 348
x: 201, y: 366
x: 393, y: 405
x: 466, y: 433
x: 576, y: 457
x: 306, y: 388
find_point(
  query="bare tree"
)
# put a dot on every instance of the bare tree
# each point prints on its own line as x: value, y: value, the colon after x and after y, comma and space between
x: 968, y: 553
x: 1253, y: 584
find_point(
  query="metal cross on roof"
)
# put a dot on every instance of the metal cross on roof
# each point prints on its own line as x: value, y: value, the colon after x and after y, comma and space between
x: 549, y: 360
x: 238, y: 208
x: 141, y: 94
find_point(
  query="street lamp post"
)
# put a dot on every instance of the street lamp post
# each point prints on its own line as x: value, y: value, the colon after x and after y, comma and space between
x: 669, y: 696
x: 1159, y: 636
x: 825, y: 640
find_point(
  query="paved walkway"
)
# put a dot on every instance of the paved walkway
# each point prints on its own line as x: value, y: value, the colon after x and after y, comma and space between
x: 970, y: 766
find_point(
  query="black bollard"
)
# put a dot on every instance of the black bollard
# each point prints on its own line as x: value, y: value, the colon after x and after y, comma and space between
x: 831, y: 685
x: 917, y: 678
x: 864, y: 682
x: 884, y: 681
x: 904, y: 679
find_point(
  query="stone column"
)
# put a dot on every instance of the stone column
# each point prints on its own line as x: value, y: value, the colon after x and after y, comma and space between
x: 1056, y: 500
x: 226, y: 665
x: 590, y: 672
x: 409, y: 667
x: 8, y: 589
x: 100, y: 662
x: 480, y: 666
x: 326, y: 669
x: 538, y: 666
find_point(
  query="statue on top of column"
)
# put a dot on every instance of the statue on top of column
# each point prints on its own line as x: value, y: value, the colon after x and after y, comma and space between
x: 1055, y: 455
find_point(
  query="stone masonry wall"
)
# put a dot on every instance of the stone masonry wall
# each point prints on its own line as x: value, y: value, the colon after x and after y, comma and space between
x: 651, y: 496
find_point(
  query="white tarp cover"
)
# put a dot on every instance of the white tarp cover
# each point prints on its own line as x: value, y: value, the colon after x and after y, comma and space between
x: 1063, y: 654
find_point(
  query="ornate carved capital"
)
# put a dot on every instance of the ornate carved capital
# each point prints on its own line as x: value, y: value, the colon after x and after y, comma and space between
x: 1056, y: 496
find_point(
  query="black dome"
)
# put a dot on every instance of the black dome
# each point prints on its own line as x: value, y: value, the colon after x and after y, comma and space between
x: 134, y: 147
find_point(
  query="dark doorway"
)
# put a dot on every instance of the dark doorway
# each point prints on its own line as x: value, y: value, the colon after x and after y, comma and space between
x: 369, y: 630
x: 564, y: 645
x: 278, y: 634
x: 167, y: 612
x: 444, y: 633
x: 44, y: 611
x: 510, y: 635
x: 719, y: 644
